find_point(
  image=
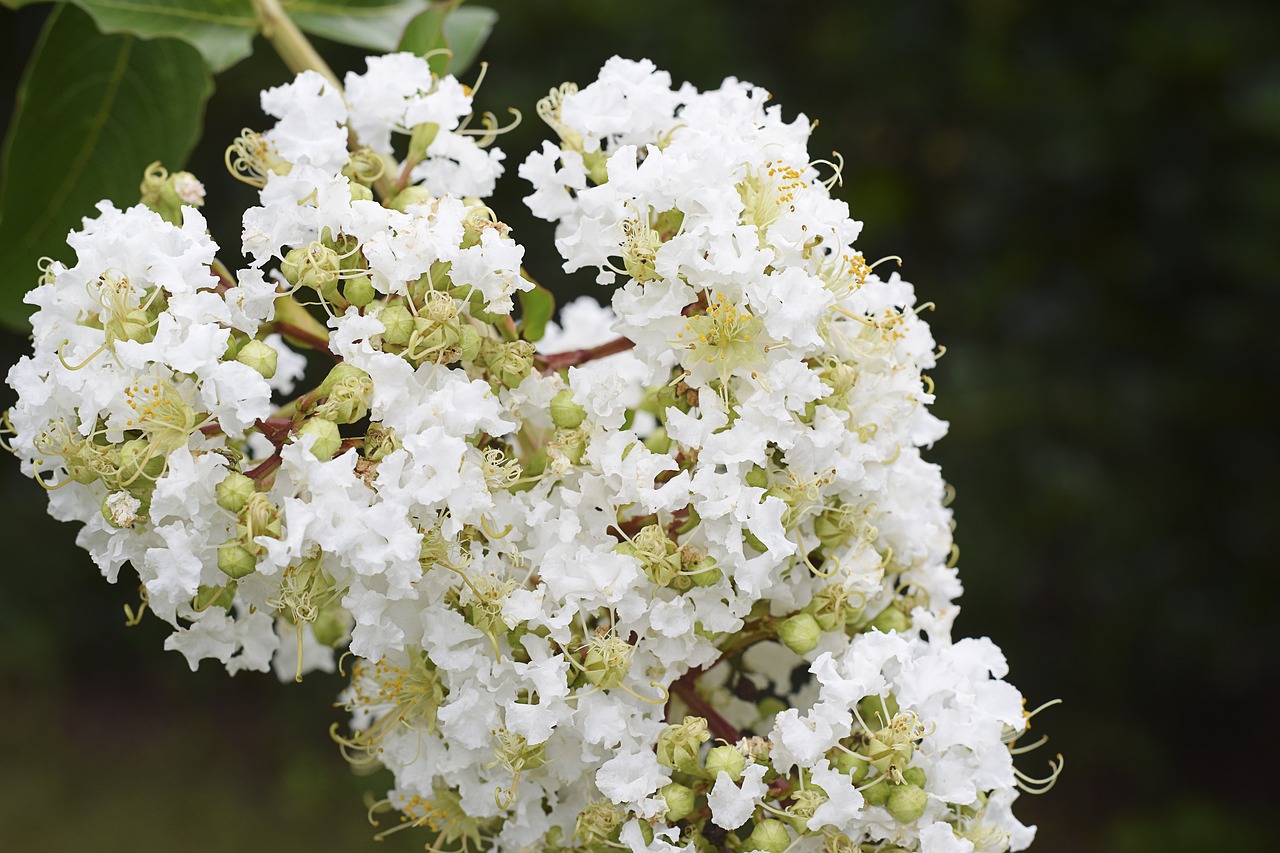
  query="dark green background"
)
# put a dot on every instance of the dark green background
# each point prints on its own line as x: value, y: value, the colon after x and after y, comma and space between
x: 1090, y: 192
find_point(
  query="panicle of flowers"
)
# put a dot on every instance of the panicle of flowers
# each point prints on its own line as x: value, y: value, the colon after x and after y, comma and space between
x: 675, y: 576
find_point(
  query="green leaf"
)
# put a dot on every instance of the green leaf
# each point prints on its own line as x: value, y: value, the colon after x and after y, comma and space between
x: 92, y: 112
x: 444, y: 25
x: 425, y: 34
x: 222, y: 30
x: 536, y: 308
x: 373, y: 24
x: 466, y: 30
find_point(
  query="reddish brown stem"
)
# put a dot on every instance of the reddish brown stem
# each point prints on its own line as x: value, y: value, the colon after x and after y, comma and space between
x: 305, y: 338
x: 268, y: 466
x: 561, y: 360
x: 687, y: 692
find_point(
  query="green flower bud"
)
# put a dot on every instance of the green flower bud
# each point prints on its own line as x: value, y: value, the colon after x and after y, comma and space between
x: 234, y: 491
x: 411, y: 195
x: 914, y: 776
x: 359, y: 192
x: 214, y: 596
x: 399, y: 325
x: 906, y: 803
x: 678, y: 745
x: 877, y: 794
x: 700, y: 568
x: 565, y: 412
x: 800, y: 633
x: 758, y: 477
x: 331, y: 626
x: 607, y: 660
x: 891, y: 619
x: 851, y: 765
x: 728, y: 759
x: 166, y: 194
x: 680, y: 801
x: 137, y: 463
x: 260, y: 356
x: 359, y: 291
x: 328, y: 440
x: 420, y: 140
x: 234, y: 560
x: 768, y: 835
x: 597, y: 165
x: 468, y: 343
x: 876, y: 711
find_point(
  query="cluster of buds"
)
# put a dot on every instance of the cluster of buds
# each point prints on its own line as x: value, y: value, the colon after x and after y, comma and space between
x: 672, y: 575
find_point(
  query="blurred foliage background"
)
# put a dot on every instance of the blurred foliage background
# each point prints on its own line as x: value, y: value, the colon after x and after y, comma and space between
x: 1090, y: 192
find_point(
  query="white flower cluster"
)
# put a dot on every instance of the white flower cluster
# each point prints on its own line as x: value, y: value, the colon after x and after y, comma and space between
x: 561, y: 570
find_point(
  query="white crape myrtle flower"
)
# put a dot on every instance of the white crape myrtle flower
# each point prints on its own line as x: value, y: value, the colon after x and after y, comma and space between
x: 676, y: 568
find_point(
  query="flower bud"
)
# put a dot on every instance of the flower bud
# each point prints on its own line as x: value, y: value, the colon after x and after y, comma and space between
x: 853, y: 766
x: 409, y: 196
x: 658, y: 441
x: 359, y: 192
x: 260, y: 356
x: 757, y: 477
x: 399, y: 324
x: 728, y: 759
x: 914, y: 776
x: 906, y: 803
x: 234, y: 560
x: 877, y: 794
x: 678, y: 745
x: 877, y: 711
x: 214, y: 596
x: 468, y: 343
x: 234, y: 491
x: 891, y: 619
x: 607, y: 660
x: 331, y: 626
x: 800, y: 633
x: 679, y: 799
x: 359, y: 291
x: 768, y: 835
x: 420, y: 140
x: 327, y: 439
x: 565, y: 412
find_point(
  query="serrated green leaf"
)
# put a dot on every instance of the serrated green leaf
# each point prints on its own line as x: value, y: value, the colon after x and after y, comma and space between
x: 222, y: 30
x: 92, y: 112
x: 536, y: 308
x: 466, y: 30
x: 373, y: 24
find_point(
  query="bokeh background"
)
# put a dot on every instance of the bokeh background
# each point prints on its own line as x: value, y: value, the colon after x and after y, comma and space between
x: 1090, y: 192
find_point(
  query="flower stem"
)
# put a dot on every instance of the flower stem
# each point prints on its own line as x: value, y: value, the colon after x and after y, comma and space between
x: 294, y: 47
x: 300, y: 55
x: 561, y: 360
